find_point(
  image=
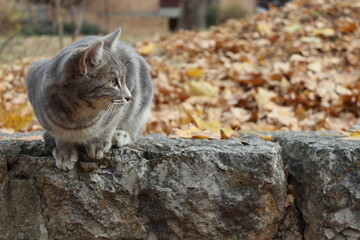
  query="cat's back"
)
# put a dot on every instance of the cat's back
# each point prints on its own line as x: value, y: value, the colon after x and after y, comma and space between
x: 34, y: 76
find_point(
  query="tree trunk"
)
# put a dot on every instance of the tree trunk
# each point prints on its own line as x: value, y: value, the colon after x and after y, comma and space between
x: 106, y: 16
x: 7, y: 41
x: 193, y: 14
x: 59, y: 21
x: 73, y: 12
x: 80, y: 19
x: 79, y: 12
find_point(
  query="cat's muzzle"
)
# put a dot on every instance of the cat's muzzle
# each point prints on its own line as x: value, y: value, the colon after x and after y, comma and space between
x: 122, y: 100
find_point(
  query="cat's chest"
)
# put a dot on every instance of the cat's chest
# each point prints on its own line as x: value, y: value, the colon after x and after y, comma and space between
x: 83, y: 133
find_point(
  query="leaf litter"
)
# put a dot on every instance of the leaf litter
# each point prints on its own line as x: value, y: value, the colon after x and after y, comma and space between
x: 291, y: 68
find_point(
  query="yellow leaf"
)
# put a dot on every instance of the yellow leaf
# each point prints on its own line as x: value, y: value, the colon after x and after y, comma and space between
x: 263, y: 96
x: 199, y: 122
x: 226, y: 132
x: 265, y: 137
x: 291, y: 28
x: 188, y: 133
x: 311, y: 39
x: 213, y: 125
x: 14, y: 119
x: 207, y: 134
x: 204, y: 130
x: 326, y: 32
x: 352, y: 135
x: 202, y: 88
x: 194, y: 73
x: 194, y: 132
x: 351, y: 138
x: 147, y: 49
x: 264, y: 28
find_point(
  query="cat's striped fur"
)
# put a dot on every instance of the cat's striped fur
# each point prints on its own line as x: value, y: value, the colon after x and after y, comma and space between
x: 96, y: 92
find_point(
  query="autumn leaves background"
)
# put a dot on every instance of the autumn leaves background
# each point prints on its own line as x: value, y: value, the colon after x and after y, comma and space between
x: 292, y: 68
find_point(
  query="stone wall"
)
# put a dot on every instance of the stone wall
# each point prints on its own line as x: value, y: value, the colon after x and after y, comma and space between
x: 299, y: 186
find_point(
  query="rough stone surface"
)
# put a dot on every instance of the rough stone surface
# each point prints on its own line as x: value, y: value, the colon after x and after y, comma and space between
x: 165, y: 188
x: 291, y: 228
x: 159, y: 188
x: 325, y: 172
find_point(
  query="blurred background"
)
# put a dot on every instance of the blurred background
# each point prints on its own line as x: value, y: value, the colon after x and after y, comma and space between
x: 42, y: 27
x: 262, y: 65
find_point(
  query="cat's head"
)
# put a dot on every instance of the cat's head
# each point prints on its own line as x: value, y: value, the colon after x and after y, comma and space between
x: 95, y: 75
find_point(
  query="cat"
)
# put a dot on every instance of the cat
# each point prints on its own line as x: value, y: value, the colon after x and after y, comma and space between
x: 96, y: 93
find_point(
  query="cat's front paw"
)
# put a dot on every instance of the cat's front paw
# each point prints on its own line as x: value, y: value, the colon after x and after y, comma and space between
x: 65, y: 158
x: 121, y: 138
x: 98, y: 149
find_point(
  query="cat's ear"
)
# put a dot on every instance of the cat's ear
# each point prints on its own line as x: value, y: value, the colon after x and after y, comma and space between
x: 111, y: 39
x: 91, y: 58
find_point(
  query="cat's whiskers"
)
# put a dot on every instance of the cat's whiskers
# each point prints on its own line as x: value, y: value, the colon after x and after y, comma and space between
x: 110, y: 108
x: 114, y: 106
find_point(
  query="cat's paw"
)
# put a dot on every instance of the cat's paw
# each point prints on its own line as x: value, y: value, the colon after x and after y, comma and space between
x: 98, y: 149
x: 65, y: 158
x: 121, y: 138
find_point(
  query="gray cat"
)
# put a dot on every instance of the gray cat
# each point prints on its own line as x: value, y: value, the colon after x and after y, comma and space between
x: 96, y: 93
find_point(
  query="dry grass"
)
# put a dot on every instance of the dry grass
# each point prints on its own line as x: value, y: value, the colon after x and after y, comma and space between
x: 34, y: 46
x: 42, y: 46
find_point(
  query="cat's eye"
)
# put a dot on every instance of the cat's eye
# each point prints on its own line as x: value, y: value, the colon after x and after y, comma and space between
x: 113, y: 82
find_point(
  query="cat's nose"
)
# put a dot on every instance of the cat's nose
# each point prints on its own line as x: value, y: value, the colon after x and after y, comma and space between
x: 128, y: 98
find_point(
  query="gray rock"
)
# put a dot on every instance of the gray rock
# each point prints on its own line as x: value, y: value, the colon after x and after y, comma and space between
x: 159, y: 188
x: 291, y: 228
x: 325, y: 172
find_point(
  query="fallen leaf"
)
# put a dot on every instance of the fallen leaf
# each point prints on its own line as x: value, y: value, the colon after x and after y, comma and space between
x: 309, y: 39
x: 202, y: 88
x: 263, y: 96
x: 347, y: 27
x: 292, y: 28
x: 325, y: 32
x: 226, y: 132
x: 265, y: 137
x: 194, y: 73
x: 355, y: 135
x: 264, y: 28
x: 147, y: 49
x: 315, y: 66
x: 205, y: 130
x: 187, y: 133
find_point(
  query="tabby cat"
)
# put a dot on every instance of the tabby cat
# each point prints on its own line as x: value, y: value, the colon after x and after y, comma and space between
x: 96, y: 93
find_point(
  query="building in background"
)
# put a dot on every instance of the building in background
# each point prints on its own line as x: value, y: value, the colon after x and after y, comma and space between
x: 135, y: 17
x: 159, y: 16
x: 141, y: 17
x: 150, y: 16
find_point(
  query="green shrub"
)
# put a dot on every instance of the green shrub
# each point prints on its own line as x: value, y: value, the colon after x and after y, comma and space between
x: 47, y: 28
x: 40, y: 28
x: 211, y: 15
